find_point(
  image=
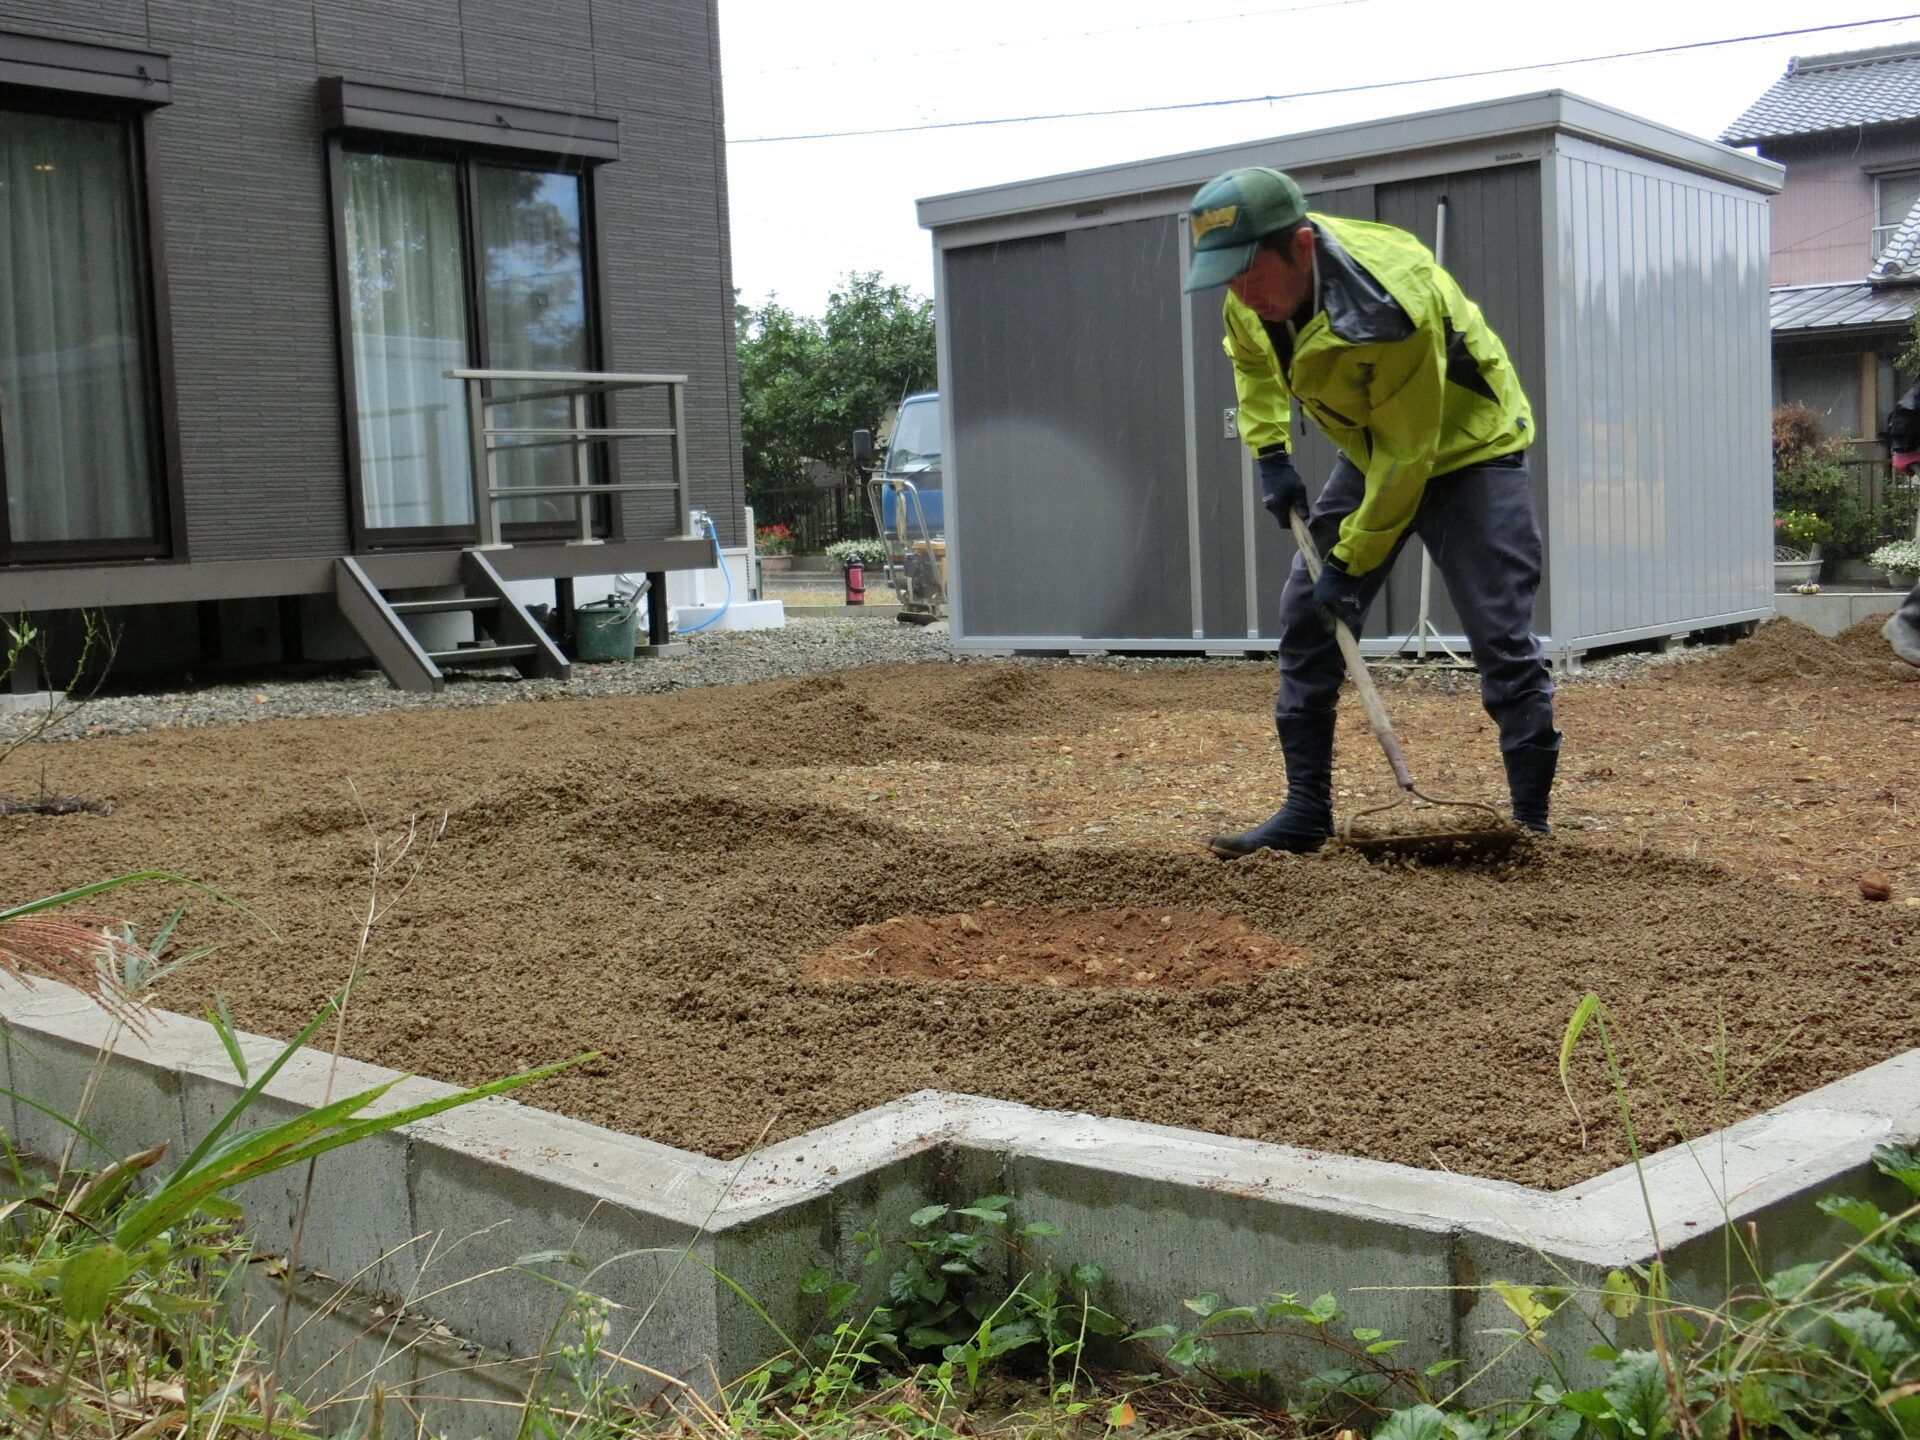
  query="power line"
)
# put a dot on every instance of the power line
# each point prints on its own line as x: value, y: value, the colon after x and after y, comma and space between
x: 1050, y: 39
x: 1317, y: 94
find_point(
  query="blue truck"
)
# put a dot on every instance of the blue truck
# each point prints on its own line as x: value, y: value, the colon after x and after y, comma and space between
x: 908, y: 506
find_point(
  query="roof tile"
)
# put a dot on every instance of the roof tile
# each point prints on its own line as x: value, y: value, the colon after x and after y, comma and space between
x: 1800, y: 308
x: 1834, y: 92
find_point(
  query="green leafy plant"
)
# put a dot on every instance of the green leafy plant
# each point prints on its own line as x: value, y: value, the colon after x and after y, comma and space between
x: 1809, y: 478
x: 964, y: 1293
x: 112, y: 1298
x: 773, y: 540
x: 25, y: 649
x: 1362, y: 1380
x: 1898, y: 504
x: 1822, y: 1349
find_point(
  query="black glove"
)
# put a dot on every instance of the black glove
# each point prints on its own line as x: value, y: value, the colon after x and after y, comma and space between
x: 1281, y: 488
x: 1336, y: 596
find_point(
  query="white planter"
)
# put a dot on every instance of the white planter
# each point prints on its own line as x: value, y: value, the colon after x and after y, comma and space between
x: 1788, y: 573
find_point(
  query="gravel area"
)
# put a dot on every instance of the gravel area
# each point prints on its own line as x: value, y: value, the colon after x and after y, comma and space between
x: 807, y: 645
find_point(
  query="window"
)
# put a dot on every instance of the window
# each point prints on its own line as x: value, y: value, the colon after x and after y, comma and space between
x: 1829, y: 385
x: 453, y: 261
x: 78, y: 459
x: 1894, y: 197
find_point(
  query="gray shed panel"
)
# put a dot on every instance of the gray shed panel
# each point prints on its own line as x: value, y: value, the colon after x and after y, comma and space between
x: 1077, y: 459
x: 1660, y: 305
x: 1624, y: 266
x: 1493, y: 221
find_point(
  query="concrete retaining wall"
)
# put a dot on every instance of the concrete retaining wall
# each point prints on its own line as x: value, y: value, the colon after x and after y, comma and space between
x: 438, y: 1213
x: 1834, y: 610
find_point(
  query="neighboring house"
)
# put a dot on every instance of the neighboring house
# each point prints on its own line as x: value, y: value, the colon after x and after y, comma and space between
x: 1845, y: 227
x: 242, y: 245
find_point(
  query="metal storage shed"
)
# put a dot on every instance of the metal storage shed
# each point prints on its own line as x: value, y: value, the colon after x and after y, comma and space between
x: 1098, y: 497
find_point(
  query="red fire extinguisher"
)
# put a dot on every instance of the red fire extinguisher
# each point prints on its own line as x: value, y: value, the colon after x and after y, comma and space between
x: 856, y: 582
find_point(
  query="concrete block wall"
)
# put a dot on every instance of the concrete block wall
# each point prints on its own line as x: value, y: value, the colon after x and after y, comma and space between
x: 444, y: 1212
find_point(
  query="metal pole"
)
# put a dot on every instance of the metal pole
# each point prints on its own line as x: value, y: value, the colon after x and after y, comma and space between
x: 486, y: 520
x: 676, y: 404
x: 582, y: 468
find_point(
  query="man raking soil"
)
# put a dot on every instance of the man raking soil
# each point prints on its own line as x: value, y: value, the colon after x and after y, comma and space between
x: 1398, y: 368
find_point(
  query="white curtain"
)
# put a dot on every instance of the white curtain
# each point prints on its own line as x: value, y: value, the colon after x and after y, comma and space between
x: 75, y: 432
x: 406, y: 293
x: 536, y: 315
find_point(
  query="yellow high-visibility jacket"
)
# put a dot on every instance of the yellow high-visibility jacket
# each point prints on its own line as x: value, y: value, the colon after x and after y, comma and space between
x: 1396, y: 366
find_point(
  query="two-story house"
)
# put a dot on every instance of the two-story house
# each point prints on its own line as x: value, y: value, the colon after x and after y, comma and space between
x: 322, y: 311
x: 1846, y: 229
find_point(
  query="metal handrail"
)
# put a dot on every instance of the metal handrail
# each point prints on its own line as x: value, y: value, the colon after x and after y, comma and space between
x: 577, y: 387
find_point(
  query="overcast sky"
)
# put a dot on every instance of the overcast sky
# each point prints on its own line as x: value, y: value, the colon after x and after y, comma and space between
x: 807, y: 212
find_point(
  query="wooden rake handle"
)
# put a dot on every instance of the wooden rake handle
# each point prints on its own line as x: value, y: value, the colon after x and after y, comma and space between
x: 1356, y: 666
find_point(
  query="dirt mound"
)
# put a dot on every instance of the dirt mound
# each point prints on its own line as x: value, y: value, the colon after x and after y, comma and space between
x: 1865, y: 643
x: 998, y: 701
x: 642, y: 878
x: 1787, y: 650
x: 1094, y: 949
x: 822, y: 720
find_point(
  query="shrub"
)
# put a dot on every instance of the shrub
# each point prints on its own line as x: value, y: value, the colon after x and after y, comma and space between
x: 1795, y: 429
x: 1808, y: 477
x: 1899, y: 501
x: 773, y: 540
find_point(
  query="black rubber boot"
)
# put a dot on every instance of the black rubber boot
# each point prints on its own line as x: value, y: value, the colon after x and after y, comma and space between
x: 1305, y: 822
x: 1530, y: 781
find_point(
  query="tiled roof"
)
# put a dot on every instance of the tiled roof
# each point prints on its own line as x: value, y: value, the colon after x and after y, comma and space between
x: 1804, y: 308
x: 1834, y: 92
x: 1899, y: 263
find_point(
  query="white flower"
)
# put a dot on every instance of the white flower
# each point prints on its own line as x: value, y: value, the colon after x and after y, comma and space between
x: 1901, y: 557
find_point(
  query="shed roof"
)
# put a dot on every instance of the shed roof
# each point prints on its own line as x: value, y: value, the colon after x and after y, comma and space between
x: 1834, y: 92
x: 1854, y: 305
x: 1403, y: 137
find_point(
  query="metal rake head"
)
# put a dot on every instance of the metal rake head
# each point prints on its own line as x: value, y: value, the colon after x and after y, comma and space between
x: 1484, y: 836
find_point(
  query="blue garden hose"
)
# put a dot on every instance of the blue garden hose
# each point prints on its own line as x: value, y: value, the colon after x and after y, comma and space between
x: 721, y: 561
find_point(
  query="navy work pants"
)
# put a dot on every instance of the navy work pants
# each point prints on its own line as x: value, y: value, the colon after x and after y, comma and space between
x: 1479, y: 526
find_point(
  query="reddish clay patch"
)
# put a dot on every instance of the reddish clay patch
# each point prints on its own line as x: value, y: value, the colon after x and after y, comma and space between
x: 1090, y: 949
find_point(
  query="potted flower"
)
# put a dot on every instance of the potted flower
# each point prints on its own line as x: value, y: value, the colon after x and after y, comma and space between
x: 1900, y: 561
x: 1797, y: 538
x: 870, y: 553
x: 774, y: 544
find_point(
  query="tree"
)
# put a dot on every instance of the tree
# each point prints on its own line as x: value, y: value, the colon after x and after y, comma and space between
x: 807, y: 384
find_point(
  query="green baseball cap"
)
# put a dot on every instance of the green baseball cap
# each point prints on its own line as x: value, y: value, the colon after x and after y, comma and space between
x: 1229, y: 215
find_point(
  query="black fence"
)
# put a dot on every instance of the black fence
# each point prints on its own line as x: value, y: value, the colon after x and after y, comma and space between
x: 817, y: 517
x: 1888, y: 499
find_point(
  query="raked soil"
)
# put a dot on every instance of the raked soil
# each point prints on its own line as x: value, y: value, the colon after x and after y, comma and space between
x: 769, y: 906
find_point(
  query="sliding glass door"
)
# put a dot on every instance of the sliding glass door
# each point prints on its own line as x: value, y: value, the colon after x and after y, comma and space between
x: 454, y: 262
x: 77, y: 431
x: 534, y: 277
x: 407, y: 316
